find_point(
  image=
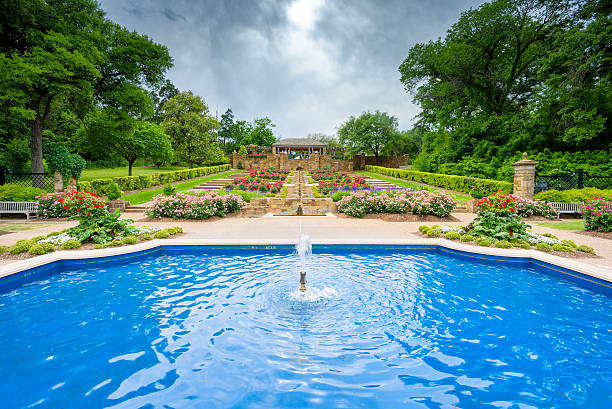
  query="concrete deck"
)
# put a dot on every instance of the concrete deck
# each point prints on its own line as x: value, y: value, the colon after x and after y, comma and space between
x: 283, y: 230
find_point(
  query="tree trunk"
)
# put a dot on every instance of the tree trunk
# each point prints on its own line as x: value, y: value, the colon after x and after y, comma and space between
x: 130, y: 163
x: 190, y: 164
x: 36, y: 155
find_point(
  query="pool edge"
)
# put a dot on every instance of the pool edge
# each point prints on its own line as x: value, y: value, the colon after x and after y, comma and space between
x: 56, y: 258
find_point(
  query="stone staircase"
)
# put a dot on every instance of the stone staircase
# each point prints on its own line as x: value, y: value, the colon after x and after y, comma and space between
x: 217, y: 184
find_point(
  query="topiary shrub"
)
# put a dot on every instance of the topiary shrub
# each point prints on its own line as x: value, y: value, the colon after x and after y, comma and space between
x: 569, y: 243
x: 116, y: 243
x: 130, y: 240
x: 178, y: 229
x: 434, y: 233
x: 544, y: 247
x: 145, y: 236
x: 503, y: 244
x: 467, y: 238
x: 41, y: 248
x: 114, y: 192
x: 169, y: 190
x: 101, y: 246
x: 423, y: 229
x: 562, y: 248
x: 20, y: 246
x: 37, y: 239
x: 483, y: 242
x: 452, y: 235
x: 70, y: 244
x: 4, y: 249
x: 162, y: 234
x: 586, y: 249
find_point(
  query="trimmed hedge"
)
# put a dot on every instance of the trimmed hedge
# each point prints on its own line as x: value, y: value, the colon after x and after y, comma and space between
x: 451, y: 182
x: 573, y: 195
x: 126, y: 183
x: 15, y: 193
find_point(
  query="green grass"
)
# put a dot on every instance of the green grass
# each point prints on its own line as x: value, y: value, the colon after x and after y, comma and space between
x: 573, y: 225
x: 461, y: 198
x: 147, y: 195
x: 17, y: 226
x: 91, y: 174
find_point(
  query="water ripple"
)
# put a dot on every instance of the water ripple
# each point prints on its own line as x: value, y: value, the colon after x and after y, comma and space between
x: 231, y: 330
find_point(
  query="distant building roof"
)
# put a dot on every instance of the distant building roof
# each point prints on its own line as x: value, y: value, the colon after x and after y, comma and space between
x: 298, y: 142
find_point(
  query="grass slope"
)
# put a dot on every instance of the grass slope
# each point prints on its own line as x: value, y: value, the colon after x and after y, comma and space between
x: 573, y: 225
x: 461, y: 198
x: 18, y: 226
x: 91, y: 174
x: 147, y: 195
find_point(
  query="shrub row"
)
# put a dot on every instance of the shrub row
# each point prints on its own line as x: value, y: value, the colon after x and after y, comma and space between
x: 573, y: 195
x: 126, y: 183
x: 452, y: 182
x: 15, y: 193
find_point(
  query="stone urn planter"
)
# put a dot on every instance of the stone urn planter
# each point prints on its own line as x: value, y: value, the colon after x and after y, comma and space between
x: 117, y: 204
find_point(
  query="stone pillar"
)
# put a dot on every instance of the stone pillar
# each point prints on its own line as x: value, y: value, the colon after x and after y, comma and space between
x: 58, y: 185
x: 72, y: 183
x: 524, y: 177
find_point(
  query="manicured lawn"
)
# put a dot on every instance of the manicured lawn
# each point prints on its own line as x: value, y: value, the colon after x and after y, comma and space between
x: 461, y: 198
x: 147, y: 195
x: 18, y: 226
x: 573, y: 225
x: 91, y: 174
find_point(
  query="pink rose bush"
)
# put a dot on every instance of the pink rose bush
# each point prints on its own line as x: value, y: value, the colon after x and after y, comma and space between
x: 420, y: 202
x: 260, y: 180
x: 597, y: 214
x: 186, y: 206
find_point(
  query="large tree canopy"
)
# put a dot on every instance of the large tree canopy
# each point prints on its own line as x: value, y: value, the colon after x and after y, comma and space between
x: 186, y: 119
x: 513, y: 75
x: 368, y: 133
x: 67, y: 49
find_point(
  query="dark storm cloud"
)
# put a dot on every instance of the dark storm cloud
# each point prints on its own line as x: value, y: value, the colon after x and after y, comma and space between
x: 307, y: 64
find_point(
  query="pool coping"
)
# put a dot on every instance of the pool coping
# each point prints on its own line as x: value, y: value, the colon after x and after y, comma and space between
x: 519, y: 254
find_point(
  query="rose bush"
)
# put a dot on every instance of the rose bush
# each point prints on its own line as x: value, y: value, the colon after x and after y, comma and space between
x: 186, y: 206
x: 503, y: 204
x: 597, y: 215
x: 421, y: 202
x: 68, y: 204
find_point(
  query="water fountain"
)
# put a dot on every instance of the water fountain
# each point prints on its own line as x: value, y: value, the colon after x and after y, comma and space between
x: 304, y: 252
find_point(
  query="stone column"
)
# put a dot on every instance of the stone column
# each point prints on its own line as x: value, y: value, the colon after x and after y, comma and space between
x: 524, y: 177
x: 58, y: 182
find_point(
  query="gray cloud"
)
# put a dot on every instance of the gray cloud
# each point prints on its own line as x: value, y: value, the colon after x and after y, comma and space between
x: 307, y: 64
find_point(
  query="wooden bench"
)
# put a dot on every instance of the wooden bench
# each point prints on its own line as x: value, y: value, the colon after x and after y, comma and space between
x: 573, y: 207
x: 27, y: 208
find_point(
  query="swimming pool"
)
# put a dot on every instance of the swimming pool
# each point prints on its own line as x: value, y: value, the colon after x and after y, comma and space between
x: 221, y: 327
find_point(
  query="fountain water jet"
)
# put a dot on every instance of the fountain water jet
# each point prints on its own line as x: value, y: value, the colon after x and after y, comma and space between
x: 304, y: 252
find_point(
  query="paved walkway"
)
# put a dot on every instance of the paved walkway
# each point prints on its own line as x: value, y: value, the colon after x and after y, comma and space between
x: 326, y: 228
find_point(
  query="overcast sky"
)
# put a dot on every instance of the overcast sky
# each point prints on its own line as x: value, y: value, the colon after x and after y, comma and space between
x: 306, y: 64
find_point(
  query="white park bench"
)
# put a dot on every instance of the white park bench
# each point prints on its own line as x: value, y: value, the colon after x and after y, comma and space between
x: 573, y: 207
x: 27, y: 208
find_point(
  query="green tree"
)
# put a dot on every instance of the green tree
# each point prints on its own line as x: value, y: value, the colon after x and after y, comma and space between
x: 186, y: 119
x: 241, y: 134
x: 261, y: 132
x: 67, y: 49
x: 225, y: 128
x: 512, y: 75
x: 368, y: 133
x: 330, y: 140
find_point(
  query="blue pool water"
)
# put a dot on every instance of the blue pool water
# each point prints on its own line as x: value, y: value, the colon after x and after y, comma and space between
x: 221, y: 329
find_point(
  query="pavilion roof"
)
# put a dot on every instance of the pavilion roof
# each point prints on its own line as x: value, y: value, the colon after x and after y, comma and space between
x: 298, y: 142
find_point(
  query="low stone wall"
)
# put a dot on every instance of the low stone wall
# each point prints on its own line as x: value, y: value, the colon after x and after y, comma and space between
x: 282, y: 161
x: 278, y: 205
